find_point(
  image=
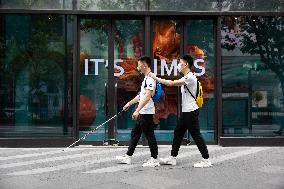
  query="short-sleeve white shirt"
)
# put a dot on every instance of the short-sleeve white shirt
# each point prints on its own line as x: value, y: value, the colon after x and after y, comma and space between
x: 149, y: 108
x: 188, y: 102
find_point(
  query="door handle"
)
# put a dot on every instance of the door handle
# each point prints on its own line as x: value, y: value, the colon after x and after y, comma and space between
x: 106, y: 101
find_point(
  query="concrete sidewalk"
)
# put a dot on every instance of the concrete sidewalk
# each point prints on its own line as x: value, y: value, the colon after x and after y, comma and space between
x: 96, y: 167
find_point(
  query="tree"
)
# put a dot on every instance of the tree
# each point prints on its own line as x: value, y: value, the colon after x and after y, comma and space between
x: 263, y: 36
x: 35, y: 4
x: 113, y: 5
x: 35, y: 59
x: 201, y: 5
x: 251, y: 5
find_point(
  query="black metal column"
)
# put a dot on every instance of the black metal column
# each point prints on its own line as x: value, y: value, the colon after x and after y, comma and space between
x: 76, y: 78
x: 111, y: 83
x: 147, y: 36
x: 218, y: 80
x: 66, y: 79
x: 147, y: 52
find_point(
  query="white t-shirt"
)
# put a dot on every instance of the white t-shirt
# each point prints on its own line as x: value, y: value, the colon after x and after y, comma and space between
x: 149, y: 108
x: 188, y: 102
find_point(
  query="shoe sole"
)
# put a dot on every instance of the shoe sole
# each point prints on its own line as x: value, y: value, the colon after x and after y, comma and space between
x: 121, y: 162
x: 152, y: 166
x: 168, y: 164
x: 203, y: 167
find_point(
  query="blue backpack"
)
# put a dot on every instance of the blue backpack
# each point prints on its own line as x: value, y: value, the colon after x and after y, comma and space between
x: 159, y: 92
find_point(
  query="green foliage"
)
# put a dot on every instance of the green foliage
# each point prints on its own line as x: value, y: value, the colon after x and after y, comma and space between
x: 34, y: 4
x: 257, y: 96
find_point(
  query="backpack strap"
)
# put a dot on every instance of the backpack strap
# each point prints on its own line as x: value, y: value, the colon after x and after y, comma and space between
x: 189, y: 92
x: 197, y: 85
x: 145, y: 83
x: 196, y: 90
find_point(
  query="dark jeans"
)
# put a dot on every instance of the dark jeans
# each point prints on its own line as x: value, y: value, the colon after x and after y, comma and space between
x: 189, y: 120
x: 144, y: 124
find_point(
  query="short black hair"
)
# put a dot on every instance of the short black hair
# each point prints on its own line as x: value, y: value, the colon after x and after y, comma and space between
x: 188, y: 59
x: 146, y: 60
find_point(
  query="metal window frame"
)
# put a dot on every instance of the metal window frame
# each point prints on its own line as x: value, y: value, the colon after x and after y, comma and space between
x: 218, y: 80
x: 143, y: 13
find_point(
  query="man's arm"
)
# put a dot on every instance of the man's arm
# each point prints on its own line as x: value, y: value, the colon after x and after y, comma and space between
x: 168, y: 82
x: 142, y: 103
x: 133, y: 101
x: 145, y: 100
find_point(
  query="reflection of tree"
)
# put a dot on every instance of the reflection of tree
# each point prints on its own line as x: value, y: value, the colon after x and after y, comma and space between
x: 37, y: 57
x: 271, y: 5
x: 113, y: 4
x: 201, y: 42
x: 154, y: 5
x: 183, y: 5
x: 200, y: 33
x: 124, y: 30
x: 34, y: 3
x: 262, y: 36
x: 257, y: 97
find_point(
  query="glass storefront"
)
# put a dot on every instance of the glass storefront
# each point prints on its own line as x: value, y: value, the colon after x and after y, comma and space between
x: 69, y: 68
x: 36, y: 75
x: 253, y: 77
x: 128, y: 43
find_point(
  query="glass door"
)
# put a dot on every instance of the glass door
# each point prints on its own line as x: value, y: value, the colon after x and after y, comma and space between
x: 199, y: 43
x: 128, y: 47
x: 171, y: 39
x: 127, y: 41
x: 93, y: 77
x: 166, y: 51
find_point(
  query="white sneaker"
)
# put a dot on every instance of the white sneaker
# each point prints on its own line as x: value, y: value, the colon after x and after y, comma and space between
x: 168, y: 160
x: 125, y: 159
x: 151, y: 163
x: 203, y: 163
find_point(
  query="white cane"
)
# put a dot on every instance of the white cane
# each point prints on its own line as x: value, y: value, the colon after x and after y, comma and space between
x: 83, y: 137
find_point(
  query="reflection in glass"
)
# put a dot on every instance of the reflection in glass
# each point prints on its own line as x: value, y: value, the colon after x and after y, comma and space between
x: 133, y: 5
x: 184, y: 5
x: 252, y: 66
x: 36, y: 4
x: 93, y: 77
x: 166, y: 51
x: 200, y: 45
x: 129, y: 46
x: 36, y: 75
x: 249, y: 5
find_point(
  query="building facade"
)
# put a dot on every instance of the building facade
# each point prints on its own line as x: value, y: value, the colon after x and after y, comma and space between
x: 66, y: 66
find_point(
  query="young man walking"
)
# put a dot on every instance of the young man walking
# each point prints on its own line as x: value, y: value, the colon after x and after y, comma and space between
x: 189, y: 117
x: 143, y: 115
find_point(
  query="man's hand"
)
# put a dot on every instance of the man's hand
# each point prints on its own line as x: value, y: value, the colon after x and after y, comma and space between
x: 126, y: 107
x: 135, y: 115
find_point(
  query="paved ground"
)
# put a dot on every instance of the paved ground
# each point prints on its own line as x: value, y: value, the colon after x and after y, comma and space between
x: 95, y: 167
